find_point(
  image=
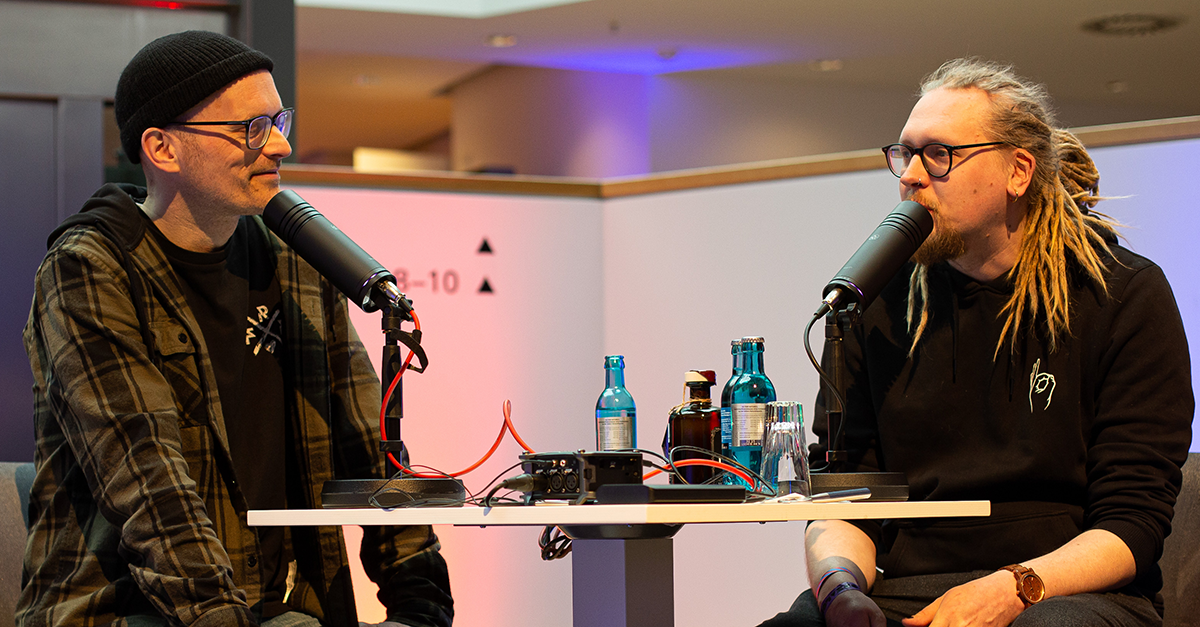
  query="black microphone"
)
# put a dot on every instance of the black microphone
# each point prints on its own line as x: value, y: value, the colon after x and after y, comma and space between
x: 879, y: 258
x: 362, y: 279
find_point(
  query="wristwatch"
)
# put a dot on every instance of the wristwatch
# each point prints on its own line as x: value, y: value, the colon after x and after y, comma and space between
x: 1029, y: 586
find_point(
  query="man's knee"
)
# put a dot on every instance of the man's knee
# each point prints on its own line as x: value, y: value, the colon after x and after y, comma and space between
x: 803, y: 613
x: 1089, y: 610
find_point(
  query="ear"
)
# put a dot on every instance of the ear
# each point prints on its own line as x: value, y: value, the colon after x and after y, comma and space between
x: 160, y: 150
x: 1022, y: 164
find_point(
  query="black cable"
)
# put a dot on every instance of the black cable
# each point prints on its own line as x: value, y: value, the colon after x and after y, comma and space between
x: 673, y: 470
x: 837, y: 394
x: 719, y: 457
x: 554, y: 546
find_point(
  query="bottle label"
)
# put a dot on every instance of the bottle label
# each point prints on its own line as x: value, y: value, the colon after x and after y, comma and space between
x: 747, y: 421
x: 614, y: 429
x: 726, y: 426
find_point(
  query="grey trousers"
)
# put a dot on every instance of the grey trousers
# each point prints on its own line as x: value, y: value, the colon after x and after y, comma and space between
x: 292, y: 619
x: 904, y: 596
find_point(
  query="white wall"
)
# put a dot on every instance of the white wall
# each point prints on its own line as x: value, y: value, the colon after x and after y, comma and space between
x: 667, y: 280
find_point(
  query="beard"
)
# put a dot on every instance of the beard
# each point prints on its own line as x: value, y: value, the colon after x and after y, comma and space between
x: 944, y: 244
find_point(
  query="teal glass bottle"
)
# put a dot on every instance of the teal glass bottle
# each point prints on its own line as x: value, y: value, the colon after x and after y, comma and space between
x: 735, y: 347
x: 616, y: 413
x: 748, y: 399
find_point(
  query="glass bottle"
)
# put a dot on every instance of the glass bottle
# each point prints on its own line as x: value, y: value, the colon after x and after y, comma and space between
x: 748, y: 399
x: 693, y: 423
x: 735, y: 347
x: 616, y: 414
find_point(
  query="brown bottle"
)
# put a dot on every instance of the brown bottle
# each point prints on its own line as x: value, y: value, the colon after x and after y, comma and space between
x: 694, y: 422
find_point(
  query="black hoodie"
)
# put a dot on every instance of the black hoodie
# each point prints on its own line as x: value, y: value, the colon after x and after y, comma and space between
x: 1089, y: 436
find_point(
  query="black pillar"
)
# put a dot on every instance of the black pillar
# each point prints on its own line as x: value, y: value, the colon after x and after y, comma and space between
x: 270, y: 26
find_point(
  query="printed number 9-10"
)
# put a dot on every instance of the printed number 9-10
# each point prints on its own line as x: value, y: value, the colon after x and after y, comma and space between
x: 446, y: 282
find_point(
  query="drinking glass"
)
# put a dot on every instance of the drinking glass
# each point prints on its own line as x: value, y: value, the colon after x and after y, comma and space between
x: 784, y: 456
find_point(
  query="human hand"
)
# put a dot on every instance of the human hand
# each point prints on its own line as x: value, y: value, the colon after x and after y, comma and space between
x: 852, y: 608
x: 989, y: 601
x: 386, y: 623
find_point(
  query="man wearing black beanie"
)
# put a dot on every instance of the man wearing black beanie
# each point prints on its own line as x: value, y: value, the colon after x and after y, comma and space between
x: 189, y: 367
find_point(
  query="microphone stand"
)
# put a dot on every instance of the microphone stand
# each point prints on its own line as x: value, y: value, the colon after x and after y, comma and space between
x: 400, y: 491
x: 419, y: 488
x: 884, y: 486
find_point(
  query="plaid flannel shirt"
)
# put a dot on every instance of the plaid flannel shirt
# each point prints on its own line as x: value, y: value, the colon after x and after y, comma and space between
x: 136, y: 516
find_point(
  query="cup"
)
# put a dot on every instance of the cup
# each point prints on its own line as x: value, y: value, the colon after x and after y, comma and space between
x: 784, y: 454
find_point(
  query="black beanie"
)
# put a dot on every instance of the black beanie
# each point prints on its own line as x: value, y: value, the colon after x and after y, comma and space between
x: 175, y: 73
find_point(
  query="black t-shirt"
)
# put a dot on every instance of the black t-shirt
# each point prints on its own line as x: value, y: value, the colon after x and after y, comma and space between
x: 235, y: 296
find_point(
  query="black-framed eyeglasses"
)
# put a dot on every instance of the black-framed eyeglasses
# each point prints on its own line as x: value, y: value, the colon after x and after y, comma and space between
x: 936, y: 157
x: 258, y: 130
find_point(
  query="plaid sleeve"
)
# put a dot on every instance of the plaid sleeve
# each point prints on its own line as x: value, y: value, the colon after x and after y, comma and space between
x: 414, y: 583
x: 119, y: 416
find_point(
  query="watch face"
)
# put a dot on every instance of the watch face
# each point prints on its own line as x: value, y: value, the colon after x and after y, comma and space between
x: 1031, y: 588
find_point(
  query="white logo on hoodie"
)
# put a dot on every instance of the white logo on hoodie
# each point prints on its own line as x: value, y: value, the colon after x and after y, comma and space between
x: 1040, y: 382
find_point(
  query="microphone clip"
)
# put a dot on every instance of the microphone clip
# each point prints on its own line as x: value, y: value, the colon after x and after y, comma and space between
x: 411, y: 340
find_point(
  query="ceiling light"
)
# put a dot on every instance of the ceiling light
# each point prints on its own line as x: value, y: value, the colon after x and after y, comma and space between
x: 825, y: 65
x: 1117, y: 87
x: 502, y: 41
x: 364, y: 80
x: 666, y: 54
x: 1131, y: 24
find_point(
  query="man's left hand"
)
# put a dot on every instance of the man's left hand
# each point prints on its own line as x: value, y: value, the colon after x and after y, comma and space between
x: 990, y: 601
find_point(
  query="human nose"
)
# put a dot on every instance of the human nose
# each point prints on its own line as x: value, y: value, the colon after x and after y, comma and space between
x: 914, y: 175
x: 277, y: 146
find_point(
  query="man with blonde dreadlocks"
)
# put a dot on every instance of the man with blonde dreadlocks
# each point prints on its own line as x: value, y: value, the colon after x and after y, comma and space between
x: 1023, y: 357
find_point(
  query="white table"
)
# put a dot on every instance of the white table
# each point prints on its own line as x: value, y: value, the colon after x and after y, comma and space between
x: 621, y: 582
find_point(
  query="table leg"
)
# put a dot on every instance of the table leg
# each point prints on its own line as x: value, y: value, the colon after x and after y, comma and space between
x: 623, y: 583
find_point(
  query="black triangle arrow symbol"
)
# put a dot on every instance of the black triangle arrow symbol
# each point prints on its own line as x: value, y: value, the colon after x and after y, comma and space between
x: 484, y: 248
x: 485, y: 288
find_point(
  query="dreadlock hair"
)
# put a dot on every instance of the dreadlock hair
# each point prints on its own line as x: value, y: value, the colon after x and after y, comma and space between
x: 1060, y: 225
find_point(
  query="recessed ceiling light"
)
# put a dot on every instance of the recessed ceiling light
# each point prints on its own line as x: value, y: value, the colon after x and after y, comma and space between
x: 1131, y: 24
x: 1117, y: 87
x: 825, y: 65
x: 364, y: 80
x: 502, y: 41
x: 666, y: 54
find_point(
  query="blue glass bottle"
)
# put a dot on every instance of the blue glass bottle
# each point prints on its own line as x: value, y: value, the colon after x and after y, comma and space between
x: 616, y: 413
x: 748, y: 405
x: 735, y: 347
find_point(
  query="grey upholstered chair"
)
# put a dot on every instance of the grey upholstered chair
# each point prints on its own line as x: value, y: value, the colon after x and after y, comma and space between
x: 15, y: 479
x: 1180, y: 562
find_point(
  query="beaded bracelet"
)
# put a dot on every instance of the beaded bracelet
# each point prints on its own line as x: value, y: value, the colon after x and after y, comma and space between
x: 829, y: 572
x: 833, y: 594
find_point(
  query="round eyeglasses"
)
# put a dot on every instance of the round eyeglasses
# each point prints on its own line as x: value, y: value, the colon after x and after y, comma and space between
x: 936, y: 157
x: 258, y: 130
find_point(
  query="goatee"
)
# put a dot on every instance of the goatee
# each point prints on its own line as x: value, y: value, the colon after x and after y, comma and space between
x: 944, y: 244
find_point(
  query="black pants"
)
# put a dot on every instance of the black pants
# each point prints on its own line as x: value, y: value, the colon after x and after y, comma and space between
x: 904, y: 596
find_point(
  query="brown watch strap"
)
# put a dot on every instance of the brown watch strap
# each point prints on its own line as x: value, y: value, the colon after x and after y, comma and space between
x: 1030, y: 588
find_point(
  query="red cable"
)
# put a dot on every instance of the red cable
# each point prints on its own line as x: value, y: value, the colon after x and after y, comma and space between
x: 703, y: 462
x: 391, y: 388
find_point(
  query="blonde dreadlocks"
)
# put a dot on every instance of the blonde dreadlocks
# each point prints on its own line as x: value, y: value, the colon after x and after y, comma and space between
x: 1060, y: 224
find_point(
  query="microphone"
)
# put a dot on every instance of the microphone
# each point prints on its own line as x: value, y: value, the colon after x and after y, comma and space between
x: 879, y: 258
x: 362, y: 279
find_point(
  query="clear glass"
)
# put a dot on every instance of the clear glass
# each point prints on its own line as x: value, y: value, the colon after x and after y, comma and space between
x: 616, y: 413
x: 784, y: 456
